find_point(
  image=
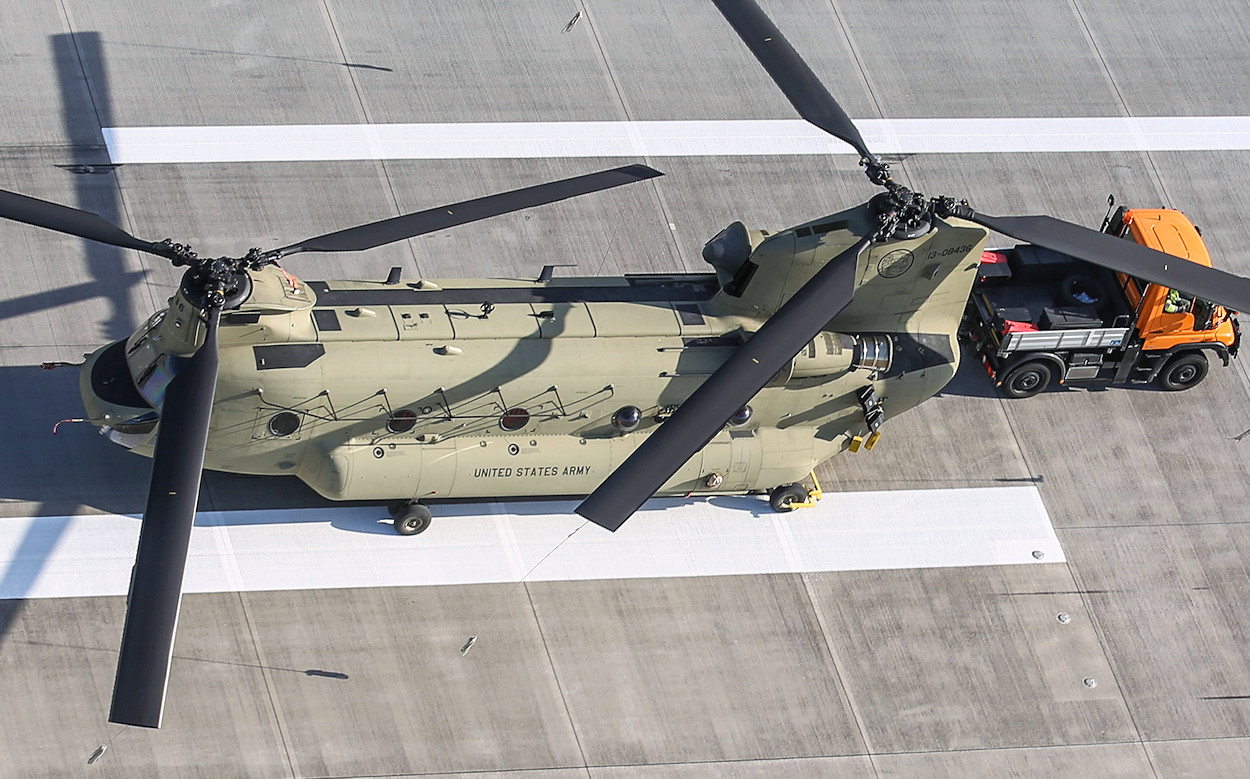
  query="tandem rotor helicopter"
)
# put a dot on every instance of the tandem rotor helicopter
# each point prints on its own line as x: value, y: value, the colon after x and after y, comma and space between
x: 795, y: 348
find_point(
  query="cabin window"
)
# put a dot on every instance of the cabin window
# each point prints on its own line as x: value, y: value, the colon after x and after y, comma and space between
x: 402, y: 421
x: 741, y: 416
x: 627, y: 418
x: 514, y: 419
x: 284, y: 423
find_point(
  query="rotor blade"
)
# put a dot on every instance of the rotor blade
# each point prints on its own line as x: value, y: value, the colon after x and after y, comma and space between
x: 156, y: 580
x: 738, y: 380
x: 800, y: 85
x: 63, y: 219
x: 368, y: 236
x: 1120, y: 255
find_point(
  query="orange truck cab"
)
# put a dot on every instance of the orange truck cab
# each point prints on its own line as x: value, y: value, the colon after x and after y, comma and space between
x: 1165, y: 325
x: 1037, y: 316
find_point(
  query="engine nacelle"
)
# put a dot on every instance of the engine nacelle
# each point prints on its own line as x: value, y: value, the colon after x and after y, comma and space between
x: 832, y: 353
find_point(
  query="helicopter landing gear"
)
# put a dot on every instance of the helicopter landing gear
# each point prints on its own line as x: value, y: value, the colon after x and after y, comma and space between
x: 785, y: 497
x: 789, y: 497
x: 411, y: 517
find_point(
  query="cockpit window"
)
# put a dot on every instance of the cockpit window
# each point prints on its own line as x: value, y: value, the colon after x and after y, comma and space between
x: 150, y: 379
x: 154, y: 379
x: 140, y: 336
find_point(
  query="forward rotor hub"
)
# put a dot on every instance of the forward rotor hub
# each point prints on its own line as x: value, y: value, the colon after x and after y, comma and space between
x: 220, y: 282
x: 900, y: 212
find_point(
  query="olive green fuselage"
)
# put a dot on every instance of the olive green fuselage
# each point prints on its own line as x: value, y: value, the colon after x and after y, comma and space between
x: 492, y: 388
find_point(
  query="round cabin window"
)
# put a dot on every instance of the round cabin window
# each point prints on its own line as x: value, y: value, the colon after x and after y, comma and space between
x: 627, y: 418
x: 514, y: 419
x: 402, y: 421
x: 284, y: 423
x: 741, y: 416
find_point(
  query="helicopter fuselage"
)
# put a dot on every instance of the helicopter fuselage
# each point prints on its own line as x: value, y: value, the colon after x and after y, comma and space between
x: 489, y: 388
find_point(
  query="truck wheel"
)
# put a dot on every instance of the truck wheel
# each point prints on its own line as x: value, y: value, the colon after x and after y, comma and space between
x: 415, y: 518
x: 1027, y: 379
x: 1184, y: 371
x: 782, y: 498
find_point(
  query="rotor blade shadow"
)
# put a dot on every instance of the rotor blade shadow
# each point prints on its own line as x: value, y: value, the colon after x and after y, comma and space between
x: 86, y: 107
x: 84, y: 111
x: 56, y: 298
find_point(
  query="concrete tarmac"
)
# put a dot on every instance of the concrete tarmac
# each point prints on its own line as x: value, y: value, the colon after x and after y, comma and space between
x: 934, y: 672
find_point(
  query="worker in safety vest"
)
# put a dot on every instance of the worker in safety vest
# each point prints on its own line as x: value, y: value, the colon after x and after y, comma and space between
x: 1176, y: 303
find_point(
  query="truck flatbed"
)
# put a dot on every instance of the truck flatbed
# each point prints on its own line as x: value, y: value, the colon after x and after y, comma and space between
x: 1036, y: 314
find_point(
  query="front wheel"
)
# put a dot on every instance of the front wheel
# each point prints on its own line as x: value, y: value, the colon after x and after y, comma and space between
x: 784, y: 497
x: 1027, y: 379
x: 1184, y: 371
x: 413, y: 519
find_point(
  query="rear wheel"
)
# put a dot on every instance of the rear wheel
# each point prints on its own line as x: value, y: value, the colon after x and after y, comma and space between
x: 1027, y: 379
x: 1184, y: 371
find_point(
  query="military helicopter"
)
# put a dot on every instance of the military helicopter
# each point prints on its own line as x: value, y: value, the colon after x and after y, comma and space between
x: 794, y: 348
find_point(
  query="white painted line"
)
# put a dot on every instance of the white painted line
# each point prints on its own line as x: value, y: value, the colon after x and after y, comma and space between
x: 57, y: 557
x: 296, y: 143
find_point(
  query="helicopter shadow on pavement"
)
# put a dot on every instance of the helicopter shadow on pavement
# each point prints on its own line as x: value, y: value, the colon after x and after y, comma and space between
x: 43, y: 475
x: 970, y: 379
x: 756, y: 505
x: 271, y: 500
x: 78, y: 471
x: 86, y: 107
x: 37, y: 468
x: 523, y: 507
x: 375, y: 520
x: 72, y: 470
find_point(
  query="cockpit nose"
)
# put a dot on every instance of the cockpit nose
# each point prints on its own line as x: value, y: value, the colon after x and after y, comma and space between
x: 113, y: 401
x: 111, y: 380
